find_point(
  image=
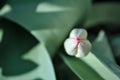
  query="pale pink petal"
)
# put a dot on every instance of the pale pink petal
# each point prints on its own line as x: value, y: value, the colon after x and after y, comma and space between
x: 84, y: 48
x: 81, y: 33
x: 70, y: 46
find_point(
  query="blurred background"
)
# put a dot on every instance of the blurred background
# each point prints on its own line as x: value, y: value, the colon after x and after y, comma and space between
x: 32, y: 33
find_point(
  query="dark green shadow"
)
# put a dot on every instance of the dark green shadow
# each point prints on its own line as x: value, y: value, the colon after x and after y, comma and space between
x: 15, y: 43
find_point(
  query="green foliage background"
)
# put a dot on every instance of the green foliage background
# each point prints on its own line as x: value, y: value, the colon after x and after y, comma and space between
x: 32, y: 33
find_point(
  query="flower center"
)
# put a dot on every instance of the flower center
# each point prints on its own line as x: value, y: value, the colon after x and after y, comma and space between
x: 77, y: 40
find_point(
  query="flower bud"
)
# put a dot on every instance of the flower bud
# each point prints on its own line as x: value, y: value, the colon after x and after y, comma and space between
x: 77, y: 44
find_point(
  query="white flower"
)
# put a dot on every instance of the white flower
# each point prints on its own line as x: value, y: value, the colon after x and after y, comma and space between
x: 77, y: 44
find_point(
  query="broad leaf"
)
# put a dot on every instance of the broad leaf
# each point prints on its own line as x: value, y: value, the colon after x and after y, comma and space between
x: 49, y: 21
x: 81, y: 69
x: 22, y: 57
x: 107, y: 13
x: 56, y: 14
x: 115, y: 42
x: 107, y: 69
x: 1, y: 35
x: 101, y: 45
x: 44, y: 71
x: 5, y: 10
x: 0, y: 74
x: 90, y: 64
x: 99, y: 62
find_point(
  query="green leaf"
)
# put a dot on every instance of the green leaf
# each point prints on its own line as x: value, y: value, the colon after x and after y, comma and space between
x: 49, y: 21
x: 103, y: 61
x: 1, y: 35
x: 101, y: 45
x: 90, y: 64
x: 104, y: 13
x: 22, y: 57
x: 81, y: 69
x: 6, y: 9
x: 44, y: 71
x: 105, y: 68
x: 0, y: 74
x: 115, y: 42
x: 57, y: 14
x: 98, y: 61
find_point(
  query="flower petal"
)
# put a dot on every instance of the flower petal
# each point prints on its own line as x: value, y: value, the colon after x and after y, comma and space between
x: 84, y: 48
x: 70, y: 46
x: 81, y: 33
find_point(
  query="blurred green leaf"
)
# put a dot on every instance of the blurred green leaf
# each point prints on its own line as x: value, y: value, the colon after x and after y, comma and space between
x: 98, y: 61
x: 22, y: 57
x: 0, y: 74
x: 15, y: 42
x: 1, y: 35
x: 115, y: 42
x: 104, y: 13
x: 53, y: 24
x: 81, y: 69
x: 101, y: 45
x: 5, y: 9
x: 47, y: 7
x: 86, y: 68
x: 44, y: 71
x: 105, y: 68
x: 29, y: 15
